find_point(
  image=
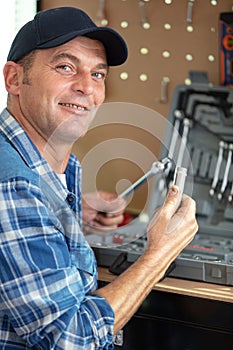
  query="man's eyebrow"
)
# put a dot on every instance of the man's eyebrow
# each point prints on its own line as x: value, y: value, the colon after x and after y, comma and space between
x: 64, y: 55
x: 76, y: 60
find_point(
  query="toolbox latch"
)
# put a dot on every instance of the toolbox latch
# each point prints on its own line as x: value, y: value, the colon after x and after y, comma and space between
x: 215, y: 273
x: 199, y: 77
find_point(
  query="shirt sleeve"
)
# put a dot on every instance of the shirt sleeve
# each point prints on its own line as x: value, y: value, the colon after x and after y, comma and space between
x: 44, y: 297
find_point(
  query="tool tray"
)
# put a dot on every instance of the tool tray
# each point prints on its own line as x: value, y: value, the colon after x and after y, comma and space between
x: 201, y: 128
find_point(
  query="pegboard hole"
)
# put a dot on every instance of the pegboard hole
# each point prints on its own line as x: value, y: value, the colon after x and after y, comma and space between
x: 124, y: 76
x: 190, y: 29
x: 167, y: 26
x: 124, y: 24
x: 187, y: 81
x: 143, y: 77
x: 189, y: 57
x: 146, y: 25
x: 104, y: 22
x: 211, y: 58
x: 144, y: 50
x: 166, y: 54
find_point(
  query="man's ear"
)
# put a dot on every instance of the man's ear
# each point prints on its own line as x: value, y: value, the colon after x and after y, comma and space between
x: 11, y: 72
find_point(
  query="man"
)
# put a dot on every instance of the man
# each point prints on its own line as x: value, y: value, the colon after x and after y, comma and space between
x: 49, y: 299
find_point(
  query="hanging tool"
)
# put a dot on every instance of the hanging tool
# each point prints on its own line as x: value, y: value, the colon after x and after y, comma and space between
x: 144, y: 21
x: 178, y: 116
x: 189, y: 16
x: 217, y: 169
x: 179, y: 180
x: 230, y: 197
x: 156, y: 167
x: 204, y: 166
x: 226, y: 172
x: 196, y: 158
x: 101, y: 18
x: 164, y: 90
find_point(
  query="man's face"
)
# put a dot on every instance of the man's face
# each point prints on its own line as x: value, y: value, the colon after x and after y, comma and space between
x: 64, y: 87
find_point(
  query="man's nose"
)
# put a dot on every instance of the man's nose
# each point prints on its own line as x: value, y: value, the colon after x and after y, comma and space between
x: 84, y: 84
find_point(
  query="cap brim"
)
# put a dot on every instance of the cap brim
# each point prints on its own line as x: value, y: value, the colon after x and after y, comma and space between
x: 114, y: 44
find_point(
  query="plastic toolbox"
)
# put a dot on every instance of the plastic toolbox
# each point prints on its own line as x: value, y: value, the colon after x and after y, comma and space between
x: 200, y: 138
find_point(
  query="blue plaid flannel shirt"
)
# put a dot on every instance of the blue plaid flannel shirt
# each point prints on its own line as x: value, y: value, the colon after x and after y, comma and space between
x: 47, y: 269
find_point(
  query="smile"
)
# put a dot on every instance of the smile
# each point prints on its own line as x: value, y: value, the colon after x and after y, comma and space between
x: 70, y: 105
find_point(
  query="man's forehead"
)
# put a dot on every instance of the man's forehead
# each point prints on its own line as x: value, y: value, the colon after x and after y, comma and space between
x: 82, y: 42
x: 78, y: 46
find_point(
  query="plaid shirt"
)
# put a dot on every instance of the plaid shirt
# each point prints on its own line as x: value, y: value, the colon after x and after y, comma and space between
x: 47, y: 269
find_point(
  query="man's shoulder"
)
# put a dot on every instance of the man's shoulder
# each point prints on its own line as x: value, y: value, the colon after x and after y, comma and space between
x: 11, y: 163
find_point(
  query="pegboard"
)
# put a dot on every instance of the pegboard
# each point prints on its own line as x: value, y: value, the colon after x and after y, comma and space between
x: 166, y: 40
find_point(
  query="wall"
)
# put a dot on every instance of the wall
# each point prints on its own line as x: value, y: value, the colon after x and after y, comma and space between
x: 14, y: 15
x: 173, y: 47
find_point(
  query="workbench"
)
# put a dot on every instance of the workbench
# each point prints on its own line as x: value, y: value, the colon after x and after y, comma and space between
x: 180, y: 314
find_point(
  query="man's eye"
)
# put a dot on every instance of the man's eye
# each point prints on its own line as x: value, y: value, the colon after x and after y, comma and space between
x: 64, y: 68
x: 99, y: 75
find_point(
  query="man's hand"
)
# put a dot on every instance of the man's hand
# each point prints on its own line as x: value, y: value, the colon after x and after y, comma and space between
x: 170, y: 231
x: 102, y: 211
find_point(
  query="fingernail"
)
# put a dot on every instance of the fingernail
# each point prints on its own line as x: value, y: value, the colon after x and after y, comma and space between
x: 109, y: 215
x: 173, y: 190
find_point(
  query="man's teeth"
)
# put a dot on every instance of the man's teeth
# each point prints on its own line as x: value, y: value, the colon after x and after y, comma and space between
x: 73, y: 106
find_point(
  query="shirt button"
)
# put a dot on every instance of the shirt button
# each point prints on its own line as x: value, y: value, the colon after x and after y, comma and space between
x: 70, y: 198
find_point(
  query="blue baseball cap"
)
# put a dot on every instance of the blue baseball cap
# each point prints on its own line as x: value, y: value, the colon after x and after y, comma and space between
x: 56, y: 26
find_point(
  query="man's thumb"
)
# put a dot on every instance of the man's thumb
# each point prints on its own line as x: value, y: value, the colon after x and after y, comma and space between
x: 172, y: 201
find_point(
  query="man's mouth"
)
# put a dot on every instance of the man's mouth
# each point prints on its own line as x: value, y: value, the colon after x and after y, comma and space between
x: 71, y: 105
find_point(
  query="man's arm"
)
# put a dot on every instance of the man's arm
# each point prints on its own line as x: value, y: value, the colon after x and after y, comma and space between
x: 168, y: 234
x: 46, y: 277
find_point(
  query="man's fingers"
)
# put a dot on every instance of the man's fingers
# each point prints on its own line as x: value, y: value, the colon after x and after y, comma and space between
x: 109, y: 220
x: 171, y: 202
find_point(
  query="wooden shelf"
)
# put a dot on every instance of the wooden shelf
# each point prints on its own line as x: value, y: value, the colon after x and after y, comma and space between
x: 183, y: 287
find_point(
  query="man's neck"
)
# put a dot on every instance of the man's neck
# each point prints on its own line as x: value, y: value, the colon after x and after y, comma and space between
x: 56, y: 157
x: 55, y: 151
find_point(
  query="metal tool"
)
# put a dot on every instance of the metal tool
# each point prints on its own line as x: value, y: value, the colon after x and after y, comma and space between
x: 175, y: 133
x: 196, y: 157
x: 204, y: 165
x: 164, y: 90
x: 183, y: 142
x: 189, y: 16
x: 230, y: 197
x: 226, y: 172
x: 144, y: 21
x: 179, y: 180
x: 156, y: 168
x: 101, y: 18
x: 217, y: 169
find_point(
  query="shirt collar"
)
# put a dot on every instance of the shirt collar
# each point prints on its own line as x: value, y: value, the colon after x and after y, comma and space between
x: 32, y: 157
x: 20, y: 140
